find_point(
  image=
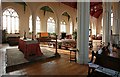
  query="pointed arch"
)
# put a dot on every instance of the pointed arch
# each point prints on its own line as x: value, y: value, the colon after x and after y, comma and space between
x: 10, y: 21
x: 67, y: 15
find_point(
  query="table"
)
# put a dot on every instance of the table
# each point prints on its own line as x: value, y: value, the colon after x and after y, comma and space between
x: 73, y: 50
x: 50, y: 40
x: 29, y: 47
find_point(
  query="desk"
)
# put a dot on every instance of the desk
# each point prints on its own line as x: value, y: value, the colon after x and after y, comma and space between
x: 29, y: 47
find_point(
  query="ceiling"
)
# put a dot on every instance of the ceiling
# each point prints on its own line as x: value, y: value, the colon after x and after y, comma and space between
x: 95, y: 8
x: 71, y: 4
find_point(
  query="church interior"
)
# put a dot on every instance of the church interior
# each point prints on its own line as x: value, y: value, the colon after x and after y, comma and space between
x: 60, y: 38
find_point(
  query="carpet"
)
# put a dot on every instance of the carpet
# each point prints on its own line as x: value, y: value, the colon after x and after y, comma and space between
x: 16, y: 57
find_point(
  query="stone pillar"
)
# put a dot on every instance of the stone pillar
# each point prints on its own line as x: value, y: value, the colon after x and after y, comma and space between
x: 83, y: 32
x: 33, y: 9
x: 115, y: 26
x: 99, y: 20
x: 58, y: 27
x: 33, y: 23
x: 68, y: 27
x: 119, y: 21
x: 115, y: 18
x: 0, y: 23
x: 44, y: 24
x: 73, y: 26
x: 106, y: 22
x: 94, y: 26
x: 90, y: 26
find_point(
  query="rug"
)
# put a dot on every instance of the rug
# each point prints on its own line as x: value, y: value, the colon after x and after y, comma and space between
x: 16, y: 57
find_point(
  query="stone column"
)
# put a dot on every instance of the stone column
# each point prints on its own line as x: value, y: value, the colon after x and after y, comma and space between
x: 58, y: 27
x: 106, y: 22
x: 42, y: 24
x: 73, y: 25
x: 0, y: 23
x: 68, y: 27
x: 90, y: 26
x: 33, y: 23
x: 119, y: 21
x: 83, y: 9
x: 99, y: 20
x: 33, y: 9
x: 115, y: 18
x: 115, y: 26
x: 94, y: 26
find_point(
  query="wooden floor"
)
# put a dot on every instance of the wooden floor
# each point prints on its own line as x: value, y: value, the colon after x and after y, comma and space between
x: 52, y: 66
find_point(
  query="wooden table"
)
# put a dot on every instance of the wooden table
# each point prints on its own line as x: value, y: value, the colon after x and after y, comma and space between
x: 73, y: 50
x: 29, y: 47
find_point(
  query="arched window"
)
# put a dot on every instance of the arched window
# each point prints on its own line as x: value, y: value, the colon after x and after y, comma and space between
x: 50, y: 25
x: 37, y: 24
x: 30, y: 23
x: 10, y: 21
x: 71, y: 28
x: 63, y: 26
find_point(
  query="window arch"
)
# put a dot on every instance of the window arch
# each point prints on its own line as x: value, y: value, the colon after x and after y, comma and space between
x: 50, y: 25
x: 10, y: 21
x: 63, y: 26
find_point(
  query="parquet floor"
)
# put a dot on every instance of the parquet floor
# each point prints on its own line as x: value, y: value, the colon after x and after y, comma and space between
x: 53, y: 66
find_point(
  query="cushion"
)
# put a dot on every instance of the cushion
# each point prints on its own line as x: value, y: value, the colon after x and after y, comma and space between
x: 44, y: 34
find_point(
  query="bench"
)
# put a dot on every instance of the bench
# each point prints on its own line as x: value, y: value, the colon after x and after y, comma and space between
x: 13, y: 41
x: 104, y: 66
